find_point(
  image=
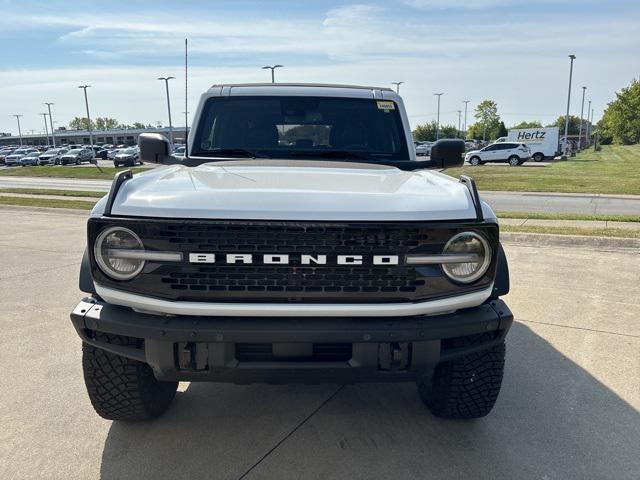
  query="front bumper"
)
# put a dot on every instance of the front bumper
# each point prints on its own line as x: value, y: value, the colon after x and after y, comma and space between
x: 187, y: 348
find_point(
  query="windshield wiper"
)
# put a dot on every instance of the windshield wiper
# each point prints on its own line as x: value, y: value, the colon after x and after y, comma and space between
x: 333, y: 154
x: 231, y: 152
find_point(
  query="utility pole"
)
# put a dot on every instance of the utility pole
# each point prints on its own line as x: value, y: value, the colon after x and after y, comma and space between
x: 86, y: 102
x: 397, y: 84
x: 272, y: 68
x: 584, y: 89
x: 438, y: 117
x: 53, y: 136
x: 466, y: 102
x: 19, y: 130
x: 459, y: 118
x: 166, y: 84
x: 566, y: 118
x: 46, y: 128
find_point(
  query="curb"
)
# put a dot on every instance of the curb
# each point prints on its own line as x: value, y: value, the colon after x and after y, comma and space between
x: 550, y: 240
x: 619, y: 196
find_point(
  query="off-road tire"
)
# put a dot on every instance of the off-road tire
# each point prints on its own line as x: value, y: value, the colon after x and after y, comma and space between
x: 120, y: 388
x: 466, y: 387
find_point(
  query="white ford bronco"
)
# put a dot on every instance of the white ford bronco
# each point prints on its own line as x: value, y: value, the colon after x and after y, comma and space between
x: 298, y: 240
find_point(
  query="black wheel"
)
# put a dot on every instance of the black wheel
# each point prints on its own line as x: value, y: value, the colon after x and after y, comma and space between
x: 538, y: 157
x: 466, y: 387
x: 120, y: 388
x: 116, y: 164
x: 514, y: 161
x: 475, y: 161
x: 78, y: 161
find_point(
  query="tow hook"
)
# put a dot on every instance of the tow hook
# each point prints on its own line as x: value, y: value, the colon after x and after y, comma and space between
x: 393, y: 356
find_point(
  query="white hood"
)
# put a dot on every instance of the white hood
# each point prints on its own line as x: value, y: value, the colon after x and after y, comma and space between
x: 293, y: 190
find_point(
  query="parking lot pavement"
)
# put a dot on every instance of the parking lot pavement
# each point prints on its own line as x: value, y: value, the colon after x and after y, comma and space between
x: 568, y: 407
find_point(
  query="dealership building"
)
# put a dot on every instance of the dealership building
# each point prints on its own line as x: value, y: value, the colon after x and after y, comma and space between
x: 68, y: 137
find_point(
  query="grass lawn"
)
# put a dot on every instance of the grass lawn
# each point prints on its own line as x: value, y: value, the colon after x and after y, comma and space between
x: 46, y: 202
x: 615, y: 169
x: 107, y: 173
x: 53, y: 191
x: 591, y: 232
x: 569, y: 216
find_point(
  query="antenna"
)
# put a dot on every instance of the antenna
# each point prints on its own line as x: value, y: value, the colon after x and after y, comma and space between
x: 186, y: 109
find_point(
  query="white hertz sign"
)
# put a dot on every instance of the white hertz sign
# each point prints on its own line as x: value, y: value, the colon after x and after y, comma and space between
x: 285, y: 259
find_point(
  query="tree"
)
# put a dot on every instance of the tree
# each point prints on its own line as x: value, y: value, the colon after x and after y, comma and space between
x: 106, y: 123
x: 138, y: 125
x: 526, y: 124
x: 574, y: 124
x: 502, y: 130
x: 621, y: 119
x: 486, y: 113
x: 427, y: 131
x: 81, y: 123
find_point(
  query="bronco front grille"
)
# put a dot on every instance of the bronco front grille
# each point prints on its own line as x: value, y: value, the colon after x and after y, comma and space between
x: 291, y: 283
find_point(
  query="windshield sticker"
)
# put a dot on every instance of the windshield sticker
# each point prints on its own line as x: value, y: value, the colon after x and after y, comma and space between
x: 386, y: 105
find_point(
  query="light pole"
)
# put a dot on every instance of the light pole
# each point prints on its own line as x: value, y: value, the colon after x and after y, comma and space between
x: 53, y: 136
x: 466, y: 102
x: 588, y: 125
x: 459, y: 117
x: 272, y: 68
x: 19, y: 130
x: 166, y: 85
x: 584, y: 89
x: 438, y: 117
x: 566, y: 118
x: 397, y: 84
x: 46, y: 128
x: 86, y: 103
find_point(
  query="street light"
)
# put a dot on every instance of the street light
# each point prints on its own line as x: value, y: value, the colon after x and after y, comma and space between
x: 272, y: 68
x: 166, y: 85
x: 397, y: 84
x: 566, y: 118
x: 438, y: 117
x: 53, y: 136
x: 588, y: 125
x: 459, y: 117
x: 19, y: 131
x: 86, y: 103
x: 46, y: 128
x: 465, y: 117
x: 584, y: 89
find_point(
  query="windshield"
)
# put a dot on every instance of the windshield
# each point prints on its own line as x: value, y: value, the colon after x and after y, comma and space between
x: 294, y: 127
x: 33, y: 154
x: 74, y: 151
x: 128, y: 150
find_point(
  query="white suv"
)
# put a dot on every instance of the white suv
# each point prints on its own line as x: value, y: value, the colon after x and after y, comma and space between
x: 513, y: 153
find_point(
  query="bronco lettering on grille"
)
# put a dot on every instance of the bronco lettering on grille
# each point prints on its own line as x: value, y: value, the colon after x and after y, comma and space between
x: 287, y: 259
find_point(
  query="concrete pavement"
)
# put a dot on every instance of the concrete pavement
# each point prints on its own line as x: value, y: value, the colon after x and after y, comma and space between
x: 499, y: 201
x: 568, y: 407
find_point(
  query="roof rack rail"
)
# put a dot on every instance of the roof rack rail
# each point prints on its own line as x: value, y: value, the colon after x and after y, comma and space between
x: 475, y: 197
x: 118, y: 180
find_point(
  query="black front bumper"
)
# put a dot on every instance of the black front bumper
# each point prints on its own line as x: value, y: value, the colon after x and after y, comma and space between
x: 215, y: 348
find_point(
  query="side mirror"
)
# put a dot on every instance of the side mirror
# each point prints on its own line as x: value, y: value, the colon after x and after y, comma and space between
x: 154, y: 148
x: 447, y: 153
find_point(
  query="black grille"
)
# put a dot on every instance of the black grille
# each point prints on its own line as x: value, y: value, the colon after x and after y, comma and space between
x: 292, y: 282
x: 321, y: 352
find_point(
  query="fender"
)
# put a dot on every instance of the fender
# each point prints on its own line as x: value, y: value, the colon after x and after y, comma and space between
x: 501, y: 283
x: 86, y: 280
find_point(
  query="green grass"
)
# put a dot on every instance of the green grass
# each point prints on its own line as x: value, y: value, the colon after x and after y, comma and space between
x: 569, y: 216
x: 52, y: 191
x: 614, y: 170
x: 107, y: 173
x: 590, y: 232
x: 46, y: 202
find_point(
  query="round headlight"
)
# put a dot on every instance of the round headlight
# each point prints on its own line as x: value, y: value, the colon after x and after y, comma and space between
x: 475, y: 248
x: 113, y: 250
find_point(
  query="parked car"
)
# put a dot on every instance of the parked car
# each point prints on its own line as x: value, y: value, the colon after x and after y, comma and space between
x: 77, y: 156
x: 423, y: 148
x: 112, y: 153
x: 16, y: 155
x: 513, y: 153
x: 30, y: 159
x: 178, y: 150
x: 127, y: 157
x: 52, y: 156
x: 3, y: 154
x: 501, y: 139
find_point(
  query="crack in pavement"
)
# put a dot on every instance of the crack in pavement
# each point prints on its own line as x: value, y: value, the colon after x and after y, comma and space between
x: 40, y: 271
x: 579, y: 328
x: 294, y: 430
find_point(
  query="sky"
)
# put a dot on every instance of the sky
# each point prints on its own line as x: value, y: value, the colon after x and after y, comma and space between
x: 514, y: 52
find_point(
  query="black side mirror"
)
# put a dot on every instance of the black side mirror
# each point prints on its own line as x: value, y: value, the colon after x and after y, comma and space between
x: 447, y: 153
x: 154, y: 148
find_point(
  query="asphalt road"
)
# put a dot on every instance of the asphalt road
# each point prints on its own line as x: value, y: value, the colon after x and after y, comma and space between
x: 569, y: 406
x: 499, y: 201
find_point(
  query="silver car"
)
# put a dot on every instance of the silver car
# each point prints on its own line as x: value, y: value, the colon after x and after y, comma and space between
x: 14, y: 158
x: 52, y: 156
x: 30, y: 159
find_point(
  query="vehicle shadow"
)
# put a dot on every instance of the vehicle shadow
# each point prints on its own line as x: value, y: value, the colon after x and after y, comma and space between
x: 553, y: 420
